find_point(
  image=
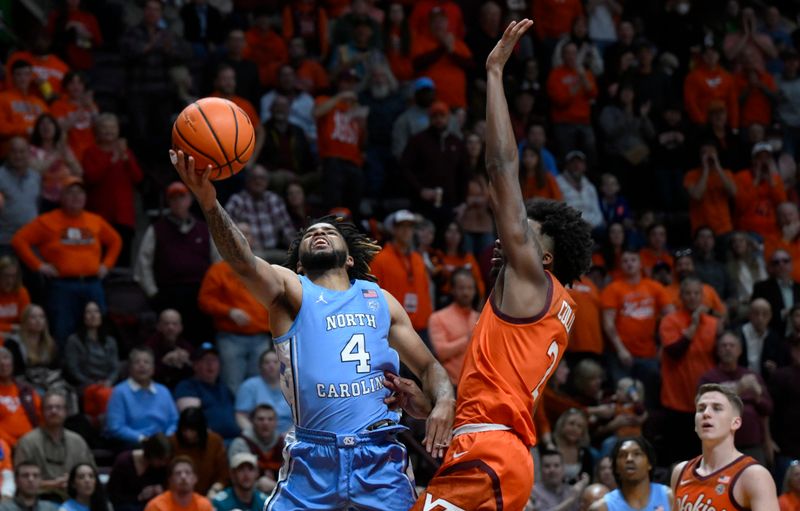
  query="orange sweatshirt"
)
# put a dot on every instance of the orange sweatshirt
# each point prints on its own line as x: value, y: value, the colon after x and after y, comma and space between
x: 18, y: 113
x: 76, y: 246
x: 702, y: 86
x: 571, y: 102
x: 405, y: 278
x: 221, y: 291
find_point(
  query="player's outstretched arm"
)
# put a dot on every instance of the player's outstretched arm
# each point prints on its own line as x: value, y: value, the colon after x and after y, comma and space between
x: 435, y: 382
x: 522, y: 253
x: 759, y: 490
x: 263, y: 280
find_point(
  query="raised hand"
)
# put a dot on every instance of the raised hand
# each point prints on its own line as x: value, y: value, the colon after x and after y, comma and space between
x: 502, y: 50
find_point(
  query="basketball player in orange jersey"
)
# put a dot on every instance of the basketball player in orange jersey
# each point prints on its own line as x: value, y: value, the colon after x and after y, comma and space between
x: 722, y: 478
x: 522, y: 332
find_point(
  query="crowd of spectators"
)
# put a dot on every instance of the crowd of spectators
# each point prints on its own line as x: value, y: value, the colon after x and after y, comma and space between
x: 131, y: 353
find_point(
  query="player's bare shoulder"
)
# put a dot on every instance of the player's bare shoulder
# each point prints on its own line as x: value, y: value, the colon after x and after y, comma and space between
x: 755, y: 489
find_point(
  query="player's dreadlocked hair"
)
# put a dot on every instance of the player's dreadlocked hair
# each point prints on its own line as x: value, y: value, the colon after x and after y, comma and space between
x: 361, y: 248
x: 571, y: 235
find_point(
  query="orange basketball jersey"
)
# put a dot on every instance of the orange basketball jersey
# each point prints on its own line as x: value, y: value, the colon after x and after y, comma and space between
x: 713, y: 492
x: 510, y: 360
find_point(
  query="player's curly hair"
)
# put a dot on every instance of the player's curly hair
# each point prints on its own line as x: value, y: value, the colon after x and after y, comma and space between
x: 571, y: 235
x: 360, y: 247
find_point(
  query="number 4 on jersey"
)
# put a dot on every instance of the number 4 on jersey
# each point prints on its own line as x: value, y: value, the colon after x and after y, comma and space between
x: 355, y: 351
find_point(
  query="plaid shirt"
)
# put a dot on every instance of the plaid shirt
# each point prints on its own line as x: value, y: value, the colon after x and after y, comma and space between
x: 267, y: 217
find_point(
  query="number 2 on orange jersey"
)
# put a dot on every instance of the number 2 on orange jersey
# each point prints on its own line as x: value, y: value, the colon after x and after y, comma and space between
x: 552, y: 352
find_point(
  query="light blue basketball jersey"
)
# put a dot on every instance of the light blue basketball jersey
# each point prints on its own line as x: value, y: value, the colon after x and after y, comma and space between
x: 333, y: 358
x: 659, y: 500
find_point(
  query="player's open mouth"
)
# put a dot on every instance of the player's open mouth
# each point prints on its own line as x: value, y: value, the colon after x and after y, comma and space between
x: 320, y: 243
x: 706, y: 426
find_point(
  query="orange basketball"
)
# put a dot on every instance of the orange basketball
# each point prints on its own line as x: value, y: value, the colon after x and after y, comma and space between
x: 215, y: 132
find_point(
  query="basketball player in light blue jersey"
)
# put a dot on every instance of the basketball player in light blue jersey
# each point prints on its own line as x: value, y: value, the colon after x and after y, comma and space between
x: 340, y: 339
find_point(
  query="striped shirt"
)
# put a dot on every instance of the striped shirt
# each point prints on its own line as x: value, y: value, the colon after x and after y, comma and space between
x: 269, y: 221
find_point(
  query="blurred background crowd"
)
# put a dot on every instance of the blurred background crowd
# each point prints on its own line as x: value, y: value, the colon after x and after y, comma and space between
x: 131, y: 354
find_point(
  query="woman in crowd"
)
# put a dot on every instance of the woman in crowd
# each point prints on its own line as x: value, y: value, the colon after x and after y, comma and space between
x: 535, y: 179
x: 610, y: 252
x: 139, y: 475
x: 76, y: 110
x: 53, y: 158
x: 475, y: 217
x: 397, y: 42
x: 296, y: 205
x: 14, y: 296
x: 204, y: 447
x: 745, y: 267
x: 91, y: 361
x: 571, y: 438
x: 85, y: 491
x: 454, y: 256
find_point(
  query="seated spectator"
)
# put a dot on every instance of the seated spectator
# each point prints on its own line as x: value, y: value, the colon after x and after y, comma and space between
x: 455, y: 257
x: 287, y: 152
x: 475, y: 217
x: 535, y: 179
x: 711, y: 189
x: 264, y: 389
x: 53, y: 448
x: 19, y: 105
x: 756, y: 90
x: 537, y: 138
x: 76, y: 111
x: 553, y: 492
x: 687, y: 337
x: 748, y: 37
x: 139, y: 407
x: 173, y: 353
x: 629, y: 413
x: 75, y: 32
x: 656, y: 250
x: 111, y: 173
x: 7, y: 486
x: 207, y: 391
x: 571, y: 439
x: 28, y: 480
x: 744, y: 266
x: 311, y: 76
x: 359, y: 53
x: 139, y: 475
x: 733, y: 154
x: 85, y: 490
x: 763, y: 350
x: 441, y: 54
x: 264, y: 441
x: 416, y: 117
x: 752, y: 437
x: 708, y: 82
x: 777, y: 289
x: 265, y: 47
x: 242, y: 494
x: 612, y: 245
x: 181, y: 494
x: 634, y: 463
x: 614, y: 206
x: 205, y: 448
x: 604, y: 473
x: 759, y: 192
x: 92, y: 361
x: 450, y: 329
x: 174, y: 254
x: 20, y: 187
x: 76, y: 250
x: 578, y: 191
x: 397, y: 42
x: 52, y: 158
x: 296, y: 205
x: 588, y: 54
x: 20, y: 405
x: 265, y: 214
x: 301, y: 104
x: 790, y: 498
x: 14, y: 297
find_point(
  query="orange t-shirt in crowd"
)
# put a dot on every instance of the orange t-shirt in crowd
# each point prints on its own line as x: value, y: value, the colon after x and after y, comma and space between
x: 6, y: 463
x: 405, y: 278
x: 509, y: 362
x: 679, y: 376
x: 47, y: 67
x: 449, y: 77
x: 637, y: 308
x: 587, y: 334
x: 450, y: 263
x: 554, y: 18
x: 757, y: 107
x: 773, y: 243
x: 14, y: 422
x: 450, y: 331
x: 18, y: 113
x: 268, y: 51
x: 221, y: 291
x: 76, y: 246
x: 756, y: 205
x: 570, y: 103
x: 244, y: 105
x: 339, y: 133
x: 702, y: 86
x: 713, y: 209
x: 166, y: 502
x: 789, y: 502
x: 711, y: 298
x: 11, y: 306
x: 550, y: 190
x: 80, y: 136
x: 312, y: 77
x: 650, y: 258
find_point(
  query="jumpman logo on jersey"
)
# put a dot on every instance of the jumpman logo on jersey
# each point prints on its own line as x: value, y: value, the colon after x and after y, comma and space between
x: 321, y: 299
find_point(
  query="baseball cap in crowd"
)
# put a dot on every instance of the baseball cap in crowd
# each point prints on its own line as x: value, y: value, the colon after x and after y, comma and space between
x: 439, y: 107
x: 423, y: 82
x: 761, y: 147
x: 241, y: 458
x: 72, y: 180
x: 175, y: 189
x: 203, y: 350
x: 398, y: 217
x: 575, y: 154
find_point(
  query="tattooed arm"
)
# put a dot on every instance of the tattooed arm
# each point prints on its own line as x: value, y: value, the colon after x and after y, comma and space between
x: 267, y: 282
